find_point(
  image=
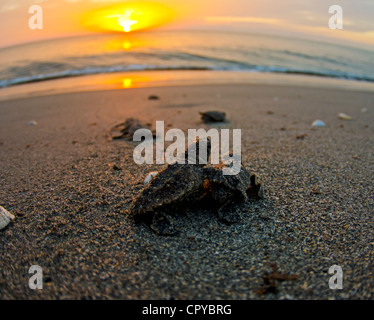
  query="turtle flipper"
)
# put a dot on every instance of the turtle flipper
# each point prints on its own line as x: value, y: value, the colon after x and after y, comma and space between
x: 230, y: 212
x: 256, y: 189
x: 162, y: 224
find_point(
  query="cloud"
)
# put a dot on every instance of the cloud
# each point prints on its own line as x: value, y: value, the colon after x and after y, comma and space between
x: 312, y: 25
x: 9, y: 7
x: 230, y: 19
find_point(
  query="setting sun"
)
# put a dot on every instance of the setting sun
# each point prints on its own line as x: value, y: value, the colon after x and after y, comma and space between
x: 124, y: 19
x: 127, y: 17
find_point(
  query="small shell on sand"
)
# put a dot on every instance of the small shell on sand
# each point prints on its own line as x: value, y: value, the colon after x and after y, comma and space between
x: 5, y: 217
x: 318, y: 123
x: 32, y: 123
x: 150, y: 176
x: 344, y: 116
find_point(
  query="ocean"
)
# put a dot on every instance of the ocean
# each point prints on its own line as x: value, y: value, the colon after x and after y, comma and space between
x: 181, y: 50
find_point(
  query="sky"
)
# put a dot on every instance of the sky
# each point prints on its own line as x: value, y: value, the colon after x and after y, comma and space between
x: 307, y: 19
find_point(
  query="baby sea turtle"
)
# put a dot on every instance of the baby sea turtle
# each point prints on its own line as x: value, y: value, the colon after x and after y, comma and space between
x: 126, y: 130
x: 171, y: 189
x: 229, y: 192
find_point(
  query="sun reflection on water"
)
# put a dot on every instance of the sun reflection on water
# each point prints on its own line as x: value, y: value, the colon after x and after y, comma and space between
x: 127, y: 83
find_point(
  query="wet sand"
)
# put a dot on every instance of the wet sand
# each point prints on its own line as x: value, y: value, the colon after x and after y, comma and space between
x: 70, y: 187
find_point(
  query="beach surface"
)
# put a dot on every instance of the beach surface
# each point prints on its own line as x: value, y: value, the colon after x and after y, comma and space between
x: 70, y: 188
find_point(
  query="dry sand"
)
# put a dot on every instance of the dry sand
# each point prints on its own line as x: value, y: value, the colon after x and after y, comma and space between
x: 58, y: 179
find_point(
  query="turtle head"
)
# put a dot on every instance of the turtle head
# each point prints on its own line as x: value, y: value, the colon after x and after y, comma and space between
x: 198, y: 152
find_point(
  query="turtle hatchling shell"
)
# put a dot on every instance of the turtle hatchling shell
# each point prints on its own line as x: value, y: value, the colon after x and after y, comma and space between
x: 170, y: 185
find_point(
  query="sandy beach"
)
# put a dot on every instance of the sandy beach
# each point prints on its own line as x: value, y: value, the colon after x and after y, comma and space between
x: 70, y: 187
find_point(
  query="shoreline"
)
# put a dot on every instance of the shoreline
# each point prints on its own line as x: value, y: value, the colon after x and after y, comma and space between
x: 149, y: 79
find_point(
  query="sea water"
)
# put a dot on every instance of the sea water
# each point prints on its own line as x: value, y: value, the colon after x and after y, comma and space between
x: 181, y: 50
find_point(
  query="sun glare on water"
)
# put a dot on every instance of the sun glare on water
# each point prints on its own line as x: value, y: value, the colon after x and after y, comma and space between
x: 127, y: 17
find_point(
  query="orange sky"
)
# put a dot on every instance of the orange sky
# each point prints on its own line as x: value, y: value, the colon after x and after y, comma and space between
x: 288, y: 17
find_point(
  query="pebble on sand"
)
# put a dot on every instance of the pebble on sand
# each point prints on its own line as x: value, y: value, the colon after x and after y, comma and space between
x: 149, y: 177
x: 344, y: 116
x: 5, y: 218
x: 32, y: 123
x: 213, y: 116
x: 318, y: 123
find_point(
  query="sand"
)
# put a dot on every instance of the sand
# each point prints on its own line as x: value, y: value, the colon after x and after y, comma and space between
x: 70, y: 187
